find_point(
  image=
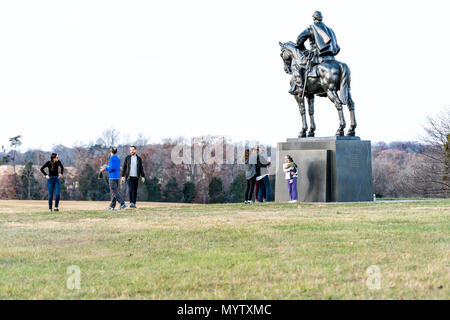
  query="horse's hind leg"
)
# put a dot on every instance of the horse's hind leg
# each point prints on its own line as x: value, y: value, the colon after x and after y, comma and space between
x: 301, y: 107
x: 312, y: 124
x: 351, y: 109
x: 332, y: 95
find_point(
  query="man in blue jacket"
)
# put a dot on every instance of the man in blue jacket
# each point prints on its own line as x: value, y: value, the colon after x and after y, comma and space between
x: 113, y: 169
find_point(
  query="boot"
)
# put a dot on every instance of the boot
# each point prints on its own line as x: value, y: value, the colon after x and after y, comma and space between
x: 293, y: 89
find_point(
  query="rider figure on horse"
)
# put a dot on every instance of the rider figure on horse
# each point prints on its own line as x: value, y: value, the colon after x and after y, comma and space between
x: 323, y: 47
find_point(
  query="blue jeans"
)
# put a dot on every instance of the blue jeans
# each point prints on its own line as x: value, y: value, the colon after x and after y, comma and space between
x: 53, y: 184
x: 266, y: 183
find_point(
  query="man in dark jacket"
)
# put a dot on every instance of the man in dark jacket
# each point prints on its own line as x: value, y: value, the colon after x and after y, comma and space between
x: 131, y: 171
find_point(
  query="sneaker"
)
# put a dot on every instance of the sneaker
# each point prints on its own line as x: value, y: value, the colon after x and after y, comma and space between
x: 110, y: 209
x: 50, y: 210
x: 292, y: 201
x: 246, y: 202
x: 123, y: 207
x: 56, y: 210
x: 249, y: 201
x: 132, y: 205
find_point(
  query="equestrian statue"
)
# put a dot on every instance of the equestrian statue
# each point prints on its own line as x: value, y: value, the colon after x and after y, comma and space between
x: 317, y: 72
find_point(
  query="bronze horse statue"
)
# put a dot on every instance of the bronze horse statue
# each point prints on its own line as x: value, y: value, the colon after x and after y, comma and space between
x: 323, y: 80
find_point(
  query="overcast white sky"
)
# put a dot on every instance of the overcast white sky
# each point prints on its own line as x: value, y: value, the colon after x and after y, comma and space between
x: 71, y: 69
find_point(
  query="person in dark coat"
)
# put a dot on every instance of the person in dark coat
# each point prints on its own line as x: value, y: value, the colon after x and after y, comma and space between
x: 250, y: 175
x: 132, y: 170
x: 53, y: 176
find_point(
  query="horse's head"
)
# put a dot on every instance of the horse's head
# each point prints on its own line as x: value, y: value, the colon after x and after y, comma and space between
x: 287, y: 54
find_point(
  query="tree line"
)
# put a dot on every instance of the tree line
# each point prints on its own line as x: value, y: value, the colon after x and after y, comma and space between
x: 399, y: 169
x: 415, y: 169
x: 166, y: 181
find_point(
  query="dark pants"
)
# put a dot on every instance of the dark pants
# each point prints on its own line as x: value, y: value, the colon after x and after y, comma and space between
x: 258, y: 184
x: 53, y: 185
x: 132, y: 188
x: 249, y: 188
x: 115, y: 194
x: 264, y: 185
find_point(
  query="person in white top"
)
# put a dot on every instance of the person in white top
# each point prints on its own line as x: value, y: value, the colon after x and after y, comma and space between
x: 291, y: 174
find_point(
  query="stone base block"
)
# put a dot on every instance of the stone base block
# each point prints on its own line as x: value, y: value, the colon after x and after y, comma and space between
x: 331, y: 169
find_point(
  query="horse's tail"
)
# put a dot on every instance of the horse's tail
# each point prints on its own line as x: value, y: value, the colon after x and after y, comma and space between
x: 345, y: 83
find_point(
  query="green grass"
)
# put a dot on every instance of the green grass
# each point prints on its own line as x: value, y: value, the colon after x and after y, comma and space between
x: 232, y: 251
x: 397, y: 199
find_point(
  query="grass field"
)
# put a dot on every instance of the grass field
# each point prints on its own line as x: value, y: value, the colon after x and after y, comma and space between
x: 232, y: 251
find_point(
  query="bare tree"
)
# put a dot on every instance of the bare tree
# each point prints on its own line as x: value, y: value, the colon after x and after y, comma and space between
x: 390, y: 168
x: 110, y: 137
x: 430, y: 176
x: 141, y: 140
x: 437, y: 128
x: 206, y: 170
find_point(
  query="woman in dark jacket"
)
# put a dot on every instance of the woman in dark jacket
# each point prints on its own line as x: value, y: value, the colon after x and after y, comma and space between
x: 250, y: 176
x: 53, y: 184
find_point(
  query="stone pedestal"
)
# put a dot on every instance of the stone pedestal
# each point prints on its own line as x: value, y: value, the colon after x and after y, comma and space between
x: 331, y: 169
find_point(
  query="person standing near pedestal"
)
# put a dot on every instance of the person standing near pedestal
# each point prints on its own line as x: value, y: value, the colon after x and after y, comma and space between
x: 262, y: 179
x: 250, y: 175
x: 291, y: 174
x: 131, y: 171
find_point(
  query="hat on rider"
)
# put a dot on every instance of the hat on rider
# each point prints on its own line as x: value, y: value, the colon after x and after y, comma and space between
x: 317, y: 16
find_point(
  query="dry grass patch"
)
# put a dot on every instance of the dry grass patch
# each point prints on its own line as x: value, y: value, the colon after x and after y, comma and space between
x: 270, y: 251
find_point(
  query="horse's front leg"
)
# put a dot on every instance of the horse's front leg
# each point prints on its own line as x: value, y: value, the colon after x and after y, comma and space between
x: 332, y: 95
x: 301, y: 107
x: 312, y: 123
x: 351, y: 109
